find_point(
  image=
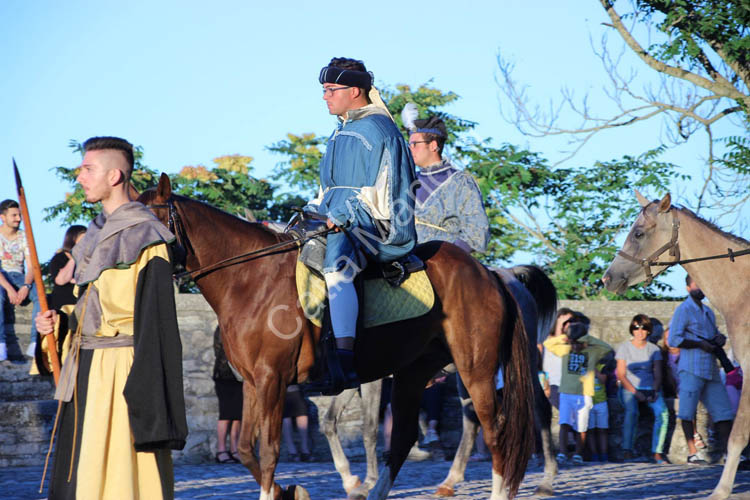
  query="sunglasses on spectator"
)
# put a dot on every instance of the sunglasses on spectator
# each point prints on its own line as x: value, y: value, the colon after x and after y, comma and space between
x: 639, y: 327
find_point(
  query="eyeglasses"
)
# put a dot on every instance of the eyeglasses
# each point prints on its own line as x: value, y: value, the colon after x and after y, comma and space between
x: 414, y: 143
x: 331, y: 90
x: 639, y: 327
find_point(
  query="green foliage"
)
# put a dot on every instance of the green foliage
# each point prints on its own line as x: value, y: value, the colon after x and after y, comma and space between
x: 299, y: 171
x: 429, y: 101
x: 709, y: 38
x: 568, y: 218
x: 691, y: 25
x: 737, y: 155
x: 227, y: 186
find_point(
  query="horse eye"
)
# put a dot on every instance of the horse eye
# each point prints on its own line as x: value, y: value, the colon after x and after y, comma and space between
x: 638, y: 234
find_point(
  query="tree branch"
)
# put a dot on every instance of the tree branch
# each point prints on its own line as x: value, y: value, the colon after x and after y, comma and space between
x: 716, y: 87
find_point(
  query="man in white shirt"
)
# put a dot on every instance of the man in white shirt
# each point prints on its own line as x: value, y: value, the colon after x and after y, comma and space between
x: 15, y: 285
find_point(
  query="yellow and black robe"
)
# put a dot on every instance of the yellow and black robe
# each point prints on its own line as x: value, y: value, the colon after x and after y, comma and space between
x: 127, y: 410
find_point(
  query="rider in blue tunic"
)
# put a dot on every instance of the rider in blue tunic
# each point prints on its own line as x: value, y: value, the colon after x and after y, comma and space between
x: 366, y: 183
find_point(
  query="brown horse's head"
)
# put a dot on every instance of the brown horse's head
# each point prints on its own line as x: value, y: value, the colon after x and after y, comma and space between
x: 157, y: 199
x: 649, y: 239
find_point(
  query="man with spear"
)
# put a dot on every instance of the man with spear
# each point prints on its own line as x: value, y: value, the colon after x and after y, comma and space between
x: 122, y: 407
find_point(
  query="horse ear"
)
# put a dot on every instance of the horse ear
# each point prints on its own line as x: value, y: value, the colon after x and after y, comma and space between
x: 641, y: 199
x: 665, y: 203
x: 164, y: 189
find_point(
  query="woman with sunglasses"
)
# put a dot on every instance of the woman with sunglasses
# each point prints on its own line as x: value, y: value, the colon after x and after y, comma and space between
x: 640, y: 374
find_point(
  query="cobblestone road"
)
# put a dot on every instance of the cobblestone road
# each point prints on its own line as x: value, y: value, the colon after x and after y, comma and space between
x: 417, y: 480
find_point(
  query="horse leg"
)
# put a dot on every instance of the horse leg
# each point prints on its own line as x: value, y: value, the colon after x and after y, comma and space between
x: 370, y: 411
x: 270, y: 405
x: 738, y: 438
x: 249, y: 430
x: 456, y: 473
x: 330, y: 430
x: 543, y: 421
x: 488, y: 410
x: 408, y: 385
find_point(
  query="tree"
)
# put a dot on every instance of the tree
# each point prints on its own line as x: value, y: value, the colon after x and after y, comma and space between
x: 568, y: 218
x: 702, y: 55
x: 227, y: 186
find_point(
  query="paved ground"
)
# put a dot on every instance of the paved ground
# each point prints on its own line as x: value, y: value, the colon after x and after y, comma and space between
x: 418, y: 479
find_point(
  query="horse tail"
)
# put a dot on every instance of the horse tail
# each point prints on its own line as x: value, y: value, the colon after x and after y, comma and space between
x: 545, y: 295
x: 516, y: 436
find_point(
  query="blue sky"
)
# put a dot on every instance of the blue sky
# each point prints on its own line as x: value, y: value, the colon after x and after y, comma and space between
x: 189, y: 81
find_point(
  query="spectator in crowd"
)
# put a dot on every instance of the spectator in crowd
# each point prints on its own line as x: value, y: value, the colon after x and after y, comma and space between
x: 580, y: 352
x: 599, y: 416
x: 639, y: 370
x: 61, y: 269
x: 229, y: 392
x: 295, y: 408
x: 693, y: 330
x: 432, y: 404
x: 551, y: 363
x: 16, y: 281
x: 671, y: 384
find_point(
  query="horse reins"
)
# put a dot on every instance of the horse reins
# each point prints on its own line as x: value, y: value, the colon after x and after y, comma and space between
x: 674, y: 250
x: 176, y: 227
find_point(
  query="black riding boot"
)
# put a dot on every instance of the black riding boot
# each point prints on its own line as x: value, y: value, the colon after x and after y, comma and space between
x: 346, y: 358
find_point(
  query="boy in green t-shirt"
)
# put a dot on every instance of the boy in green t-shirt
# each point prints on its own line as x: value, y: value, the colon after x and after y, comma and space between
x: 580, y: 353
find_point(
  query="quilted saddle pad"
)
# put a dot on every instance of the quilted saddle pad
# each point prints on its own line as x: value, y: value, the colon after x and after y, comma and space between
x: 382, y: 303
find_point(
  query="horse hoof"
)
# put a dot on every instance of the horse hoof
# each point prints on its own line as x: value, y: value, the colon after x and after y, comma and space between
x: 295, y: 492
x: 351, y: 484
x: 444, y: 491
x: 544, y: 491
x: 358, y: 493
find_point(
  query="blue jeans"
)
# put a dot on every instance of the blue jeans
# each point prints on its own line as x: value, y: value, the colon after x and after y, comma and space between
x: 8, y: 316
x: 630, y: 426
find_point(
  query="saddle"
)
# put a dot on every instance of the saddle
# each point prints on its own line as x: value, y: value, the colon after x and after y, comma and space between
x: 389, y: 292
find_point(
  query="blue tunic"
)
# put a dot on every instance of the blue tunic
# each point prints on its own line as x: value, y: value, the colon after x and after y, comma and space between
x: 366, y: 182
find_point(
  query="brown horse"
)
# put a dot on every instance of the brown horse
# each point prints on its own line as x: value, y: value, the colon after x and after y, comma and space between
x: 663, y: 233
x: 474, y: 322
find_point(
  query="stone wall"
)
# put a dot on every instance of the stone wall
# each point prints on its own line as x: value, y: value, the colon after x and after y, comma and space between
x: 26, y: 412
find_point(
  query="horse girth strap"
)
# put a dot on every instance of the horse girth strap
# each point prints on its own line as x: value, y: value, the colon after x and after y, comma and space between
x: 672, y: 245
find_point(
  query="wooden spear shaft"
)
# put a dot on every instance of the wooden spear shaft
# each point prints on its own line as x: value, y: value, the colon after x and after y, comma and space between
x: 37, y: 270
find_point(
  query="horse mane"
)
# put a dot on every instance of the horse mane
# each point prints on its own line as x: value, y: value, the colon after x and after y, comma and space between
x: 233, y: 218
x: 709, y: 224
x: 712, y: 226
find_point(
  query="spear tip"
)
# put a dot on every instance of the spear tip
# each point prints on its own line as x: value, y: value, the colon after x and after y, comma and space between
x: 18, y: 176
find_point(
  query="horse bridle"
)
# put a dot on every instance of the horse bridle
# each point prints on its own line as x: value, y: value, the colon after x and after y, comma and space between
x: 176, y: 227
x: 672, y: 245
x: 674, y: 250
x: 174, y: 222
